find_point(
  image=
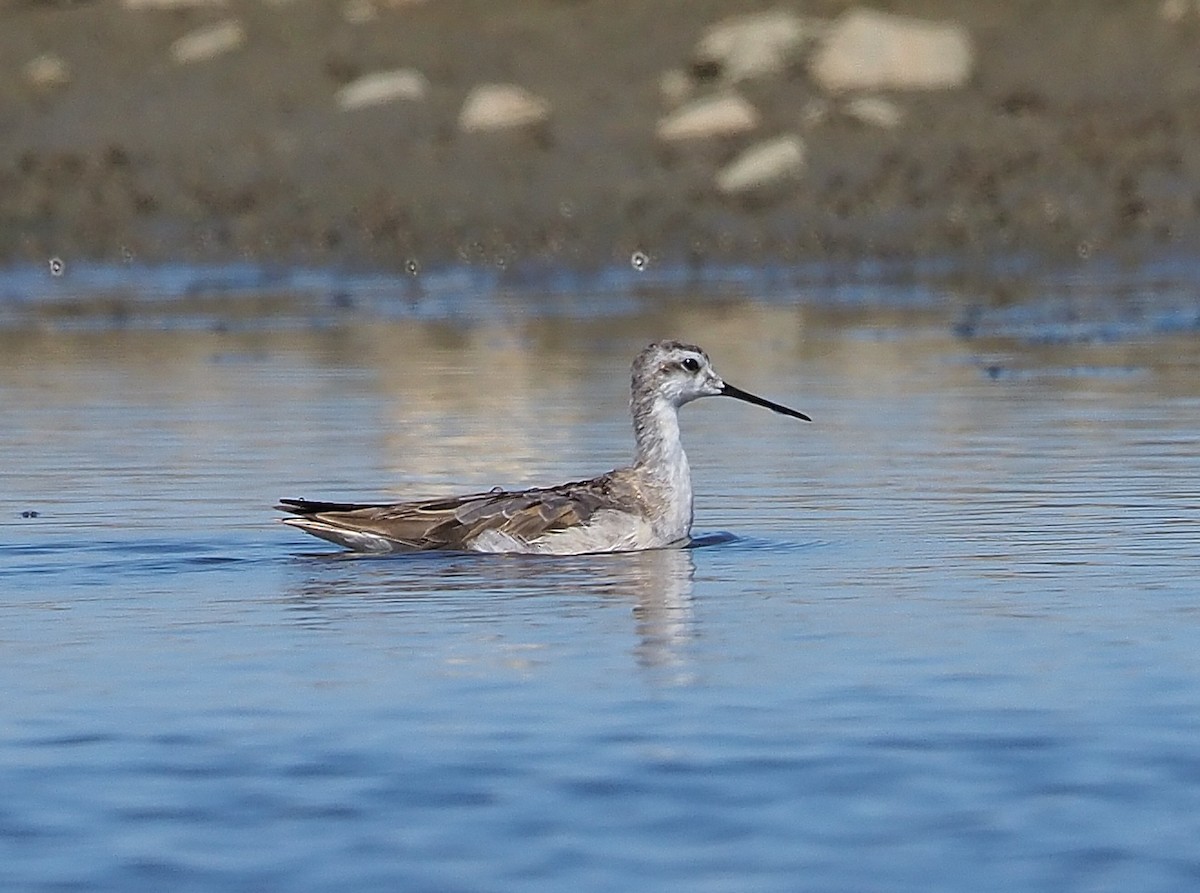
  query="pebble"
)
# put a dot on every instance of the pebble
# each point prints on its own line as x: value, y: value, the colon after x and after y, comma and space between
x: 383, y: 86
x: 502, y: 107
x: 207, y: 43
x: 875, y: 110
x: 754, y: 45
x: 763, y: 166
x: 47, y: 72
x: 868, y: 50
x: 712, y: 116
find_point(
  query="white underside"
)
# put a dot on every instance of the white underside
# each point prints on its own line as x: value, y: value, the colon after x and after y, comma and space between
x: 609, y: 531
x: 354, y: 540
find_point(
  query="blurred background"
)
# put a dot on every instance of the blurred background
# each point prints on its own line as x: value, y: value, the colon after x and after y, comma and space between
x: 525, y: 135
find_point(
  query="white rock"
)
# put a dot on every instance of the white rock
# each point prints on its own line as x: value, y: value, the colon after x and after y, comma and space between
x: 875, y: 110
x: 868, y: 50
x: 762, y: 166
x: 502, y: 107
x: 47, y: 72
x: 753, y: 45
x: 713, y: 116
x: 381, y: 87
x: 207, y: 43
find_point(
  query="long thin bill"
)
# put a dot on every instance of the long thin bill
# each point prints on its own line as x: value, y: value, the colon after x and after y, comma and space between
x: 738, y: 394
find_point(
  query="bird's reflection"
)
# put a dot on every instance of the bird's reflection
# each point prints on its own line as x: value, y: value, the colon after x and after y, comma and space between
x: 661, y: 586
x: 657, y: 585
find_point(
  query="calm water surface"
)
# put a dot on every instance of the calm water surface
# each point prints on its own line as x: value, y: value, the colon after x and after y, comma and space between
x: 946, y: 637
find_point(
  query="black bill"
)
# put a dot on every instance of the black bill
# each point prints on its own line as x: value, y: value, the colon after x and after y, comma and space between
x: 738, y: 394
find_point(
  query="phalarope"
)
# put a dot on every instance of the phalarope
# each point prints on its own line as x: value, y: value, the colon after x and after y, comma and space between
x: 646, y: 505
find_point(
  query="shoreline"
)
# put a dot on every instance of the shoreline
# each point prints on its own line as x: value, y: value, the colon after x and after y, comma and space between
x: 1074, y: 135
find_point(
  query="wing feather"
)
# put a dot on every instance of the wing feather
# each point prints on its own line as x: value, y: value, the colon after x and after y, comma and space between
x: 524, y: 515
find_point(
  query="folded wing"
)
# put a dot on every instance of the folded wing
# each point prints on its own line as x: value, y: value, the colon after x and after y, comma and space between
x: 524, y: 515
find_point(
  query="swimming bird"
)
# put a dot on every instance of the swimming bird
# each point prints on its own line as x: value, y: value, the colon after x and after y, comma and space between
x: 646, y: 505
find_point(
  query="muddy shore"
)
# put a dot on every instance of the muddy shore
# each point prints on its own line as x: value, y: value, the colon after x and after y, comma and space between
x: 1076, y: 135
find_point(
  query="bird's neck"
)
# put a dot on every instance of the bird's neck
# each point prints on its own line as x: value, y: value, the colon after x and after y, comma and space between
x: 662, y: 464
x: 656, y: 430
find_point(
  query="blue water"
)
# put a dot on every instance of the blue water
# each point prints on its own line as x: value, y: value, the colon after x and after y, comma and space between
x: 947, y: 637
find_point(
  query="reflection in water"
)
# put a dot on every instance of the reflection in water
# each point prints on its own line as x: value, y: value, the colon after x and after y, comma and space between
x: 661, y: 583
x: 478, y: 588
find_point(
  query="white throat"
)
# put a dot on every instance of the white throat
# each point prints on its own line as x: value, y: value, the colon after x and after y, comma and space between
x: 663, y: 466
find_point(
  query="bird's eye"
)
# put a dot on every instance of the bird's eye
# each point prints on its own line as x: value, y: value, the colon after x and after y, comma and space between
x: 691, y: 364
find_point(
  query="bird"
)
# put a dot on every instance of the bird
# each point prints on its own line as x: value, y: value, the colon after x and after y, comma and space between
x: 645, y: 505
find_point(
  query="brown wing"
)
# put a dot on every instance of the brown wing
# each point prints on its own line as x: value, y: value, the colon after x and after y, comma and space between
x: 454, y: 523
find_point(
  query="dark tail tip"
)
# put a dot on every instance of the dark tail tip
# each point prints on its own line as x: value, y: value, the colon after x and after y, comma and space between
x: 296, y: 506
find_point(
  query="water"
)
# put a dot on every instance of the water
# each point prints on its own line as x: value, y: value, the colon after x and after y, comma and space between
x: 946, y: 637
